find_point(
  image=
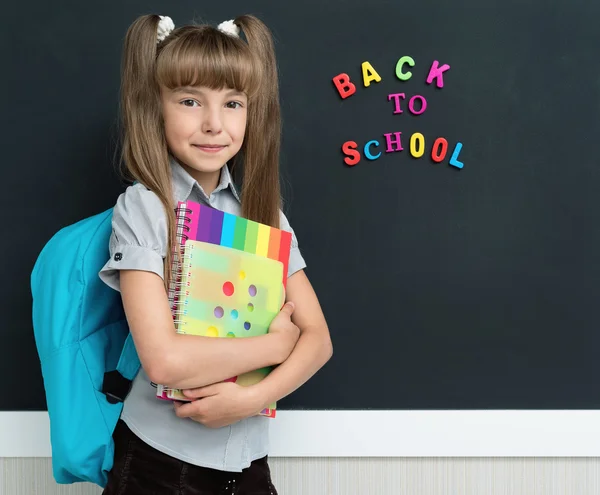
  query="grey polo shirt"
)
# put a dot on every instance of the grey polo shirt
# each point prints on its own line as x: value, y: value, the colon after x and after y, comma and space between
x: 140, y: 236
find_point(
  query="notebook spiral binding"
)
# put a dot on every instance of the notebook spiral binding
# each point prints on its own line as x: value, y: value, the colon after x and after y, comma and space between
x: 181, y: 284
x: 178, y: 278
x: 182, y: 221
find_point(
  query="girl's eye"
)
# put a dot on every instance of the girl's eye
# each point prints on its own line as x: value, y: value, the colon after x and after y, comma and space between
x: 233, y: 104
x: 185, y: 102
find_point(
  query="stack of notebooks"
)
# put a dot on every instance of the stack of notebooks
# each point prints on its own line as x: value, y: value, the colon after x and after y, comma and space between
x: 230, y: 281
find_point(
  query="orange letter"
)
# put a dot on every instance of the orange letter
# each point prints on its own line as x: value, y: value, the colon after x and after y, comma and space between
x: 349, y: 148
x: 344, y: 86
x: 438, y: 154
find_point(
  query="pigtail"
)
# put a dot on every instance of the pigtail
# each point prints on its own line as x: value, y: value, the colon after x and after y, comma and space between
x: 261, y: 199
x: 144, y: 149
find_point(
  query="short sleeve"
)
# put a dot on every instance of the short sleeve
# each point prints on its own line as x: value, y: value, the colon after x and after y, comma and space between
x: 139, y: 235
x: 297, y: 262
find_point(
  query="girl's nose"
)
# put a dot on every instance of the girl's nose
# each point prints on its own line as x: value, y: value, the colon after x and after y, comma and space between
x: 212, y: 123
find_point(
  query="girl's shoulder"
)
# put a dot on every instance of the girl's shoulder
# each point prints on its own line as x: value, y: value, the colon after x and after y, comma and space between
x: 137, y: 200
x: 139, y: 217
x: 139, y: 235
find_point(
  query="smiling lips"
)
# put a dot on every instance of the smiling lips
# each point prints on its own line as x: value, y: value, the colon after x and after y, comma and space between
x: 209, y: 148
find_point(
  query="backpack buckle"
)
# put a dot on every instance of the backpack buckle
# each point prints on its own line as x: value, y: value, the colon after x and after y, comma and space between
x: 115, y: 386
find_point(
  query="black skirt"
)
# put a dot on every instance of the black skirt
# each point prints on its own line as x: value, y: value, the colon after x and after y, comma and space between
x: 140, y: 469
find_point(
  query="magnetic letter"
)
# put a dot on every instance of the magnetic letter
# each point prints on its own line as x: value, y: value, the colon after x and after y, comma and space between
x: 349, y: 148
x: 395, y: 141
x: 454, y: 160
x: 344, y: 86
x: 369, y: 74
x: 397, y: 97
x: 417, y: 137
x: 411, y: 104
x: 436, y: 73
x: 368, y: 152
x: 404, y: 76
x: 436, y: 155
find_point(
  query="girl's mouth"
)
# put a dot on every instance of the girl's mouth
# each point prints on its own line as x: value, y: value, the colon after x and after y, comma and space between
x: 209, y: 148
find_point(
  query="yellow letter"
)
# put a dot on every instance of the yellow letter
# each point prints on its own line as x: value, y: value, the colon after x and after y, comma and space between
x: 369, y: 74
x: 417, y: 137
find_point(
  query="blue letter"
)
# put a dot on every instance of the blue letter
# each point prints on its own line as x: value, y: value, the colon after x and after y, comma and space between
x: 367, y: 152
x: 454, y: 160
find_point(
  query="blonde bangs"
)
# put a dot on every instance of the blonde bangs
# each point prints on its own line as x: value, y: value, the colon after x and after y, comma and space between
x: 203, y: 56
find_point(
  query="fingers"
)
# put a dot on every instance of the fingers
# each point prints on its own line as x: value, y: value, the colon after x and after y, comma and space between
x: 198, y: 393
x: 183, y: 410
x: 192, y: 393
x: 288, y: 308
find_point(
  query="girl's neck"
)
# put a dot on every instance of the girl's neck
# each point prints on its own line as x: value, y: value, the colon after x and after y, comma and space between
x: 208, y: 181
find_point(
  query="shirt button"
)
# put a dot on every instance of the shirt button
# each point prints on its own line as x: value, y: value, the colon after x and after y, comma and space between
x: 118, y: 256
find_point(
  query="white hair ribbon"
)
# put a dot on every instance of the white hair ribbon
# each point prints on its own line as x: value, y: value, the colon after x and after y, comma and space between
x: 165, y: 26
x: 229, y: 27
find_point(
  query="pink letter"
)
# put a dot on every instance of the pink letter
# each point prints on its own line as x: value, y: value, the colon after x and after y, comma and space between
x: 395, y: 141
x: 411, y: 105
x: 436, y: 73
x: 397, y: 97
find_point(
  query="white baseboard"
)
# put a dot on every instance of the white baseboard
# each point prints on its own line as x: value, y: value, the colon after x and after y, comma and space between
x: 382, y: 434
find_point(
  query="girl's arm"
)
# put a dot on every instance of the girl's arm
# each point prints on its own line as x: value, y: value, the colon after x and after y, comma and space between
x: 188, y: 361
x: 312, y: 351
x: 226, y: 403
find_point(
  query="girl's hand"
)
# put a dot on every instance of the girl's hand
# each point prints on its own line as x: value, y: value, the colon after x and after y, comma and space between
x: 220, y: 404
x: 284, y: 328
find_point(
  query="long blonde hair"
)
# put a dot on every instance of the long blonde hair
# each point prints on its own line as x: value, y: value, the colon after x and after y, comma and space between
x: 201, y: 55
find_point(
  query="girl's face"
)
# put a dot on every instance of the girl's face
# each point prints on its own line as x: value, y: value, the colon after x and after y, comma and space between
x: 204, y: 127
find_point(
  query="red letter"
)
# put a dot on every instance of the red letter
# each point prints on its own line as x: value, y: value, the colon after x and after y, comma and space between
x: 397, y: 97
x: 436, y: 72
x: 349, y: 148
x: 436, y: 154
x: 344, y: 86
x: 396, y: 141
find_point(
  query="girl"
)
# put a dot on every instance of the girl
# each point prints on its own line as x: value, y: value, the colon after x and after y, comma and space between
x: 200, y: 111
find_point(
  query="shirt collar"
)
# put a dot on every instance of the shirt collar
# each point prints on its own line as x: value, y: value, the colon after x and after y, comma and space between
x: 184, y: 183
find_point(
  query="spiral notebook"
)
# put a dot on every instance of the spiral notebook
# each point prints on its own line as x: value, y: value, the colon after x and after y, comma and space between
x: 229, y: 282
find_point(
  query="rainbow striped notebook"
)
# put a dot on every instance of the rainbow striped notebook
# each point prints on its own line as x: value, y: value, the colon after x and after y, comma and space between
x: 230, y: 282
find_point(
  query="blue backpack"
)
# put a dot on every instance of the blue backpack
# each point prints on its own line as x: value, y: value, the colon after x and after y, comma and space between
x: 87, y: 354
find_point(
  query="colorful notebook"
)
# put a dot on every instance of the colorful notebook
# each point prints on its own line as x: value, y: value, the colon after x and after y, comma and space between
x: 230, y: 282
